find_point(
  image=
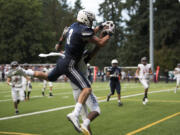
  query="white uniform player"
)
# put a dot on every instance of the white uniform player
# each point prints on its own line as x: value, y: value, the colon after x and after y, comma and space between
x: 16, y: 83
x: 144, y: 75
x: 26, y: 83
x: 143, y: 72
x: 177, y: 75
x: 47, y: 70
x: 91, y: 102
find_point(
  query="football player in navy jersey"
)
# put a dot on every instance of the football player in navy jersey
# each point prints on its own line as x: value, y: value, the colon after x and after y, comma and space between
x: 115, y: 74
x: 78, y: 35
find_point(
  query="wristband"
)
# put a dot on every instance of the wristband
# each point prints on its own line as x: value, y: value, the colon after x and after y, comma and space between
x: 60, y: 42
x: 101, y: 27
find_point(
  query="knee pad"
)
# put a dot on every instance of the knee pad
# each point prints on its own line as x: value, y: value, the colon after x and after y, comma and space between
x: 97, y: 109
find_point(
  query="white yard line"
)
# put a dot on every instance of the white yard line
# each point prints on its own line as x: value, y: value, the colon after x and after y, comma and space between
x: 71, y: 106
x: 63, y: 93
x: 39, y: 96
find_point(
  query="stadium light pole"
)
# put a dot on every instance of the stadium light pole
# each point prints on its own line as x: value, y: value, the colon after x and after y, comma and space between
x: 151, y: 38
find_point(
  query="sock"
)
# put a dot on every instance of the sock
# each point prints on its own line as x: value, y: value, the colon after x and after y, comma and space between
x: 145, y: 95
x: 86, y: 122
x: 25, y: 94
x: 119, y: 101
x: 28, y: 93
x: 29, y: 72
x: 77, y: 109
x: 18, y: 101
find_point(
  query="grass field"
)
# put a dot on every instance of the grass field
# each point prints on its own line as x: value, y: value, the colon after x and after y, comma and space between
x: 161, y: 116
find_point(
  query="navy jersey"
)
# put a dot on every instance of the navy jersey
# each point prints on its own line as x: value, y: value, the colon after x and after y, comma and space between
x: 114, y: 73
x: 77, y: 37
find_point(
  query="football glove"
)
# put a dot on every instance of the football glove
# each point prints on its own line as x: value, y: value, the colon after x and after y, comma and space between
x: 107, y: 32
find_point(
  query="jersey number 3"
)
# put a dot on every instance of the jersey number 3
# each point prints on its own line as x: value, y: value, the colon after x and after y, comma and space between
x: 69, y: 36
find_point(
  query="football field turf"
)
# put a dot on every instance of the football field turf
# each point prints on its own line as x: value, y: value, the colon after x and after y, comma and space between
x: 47, y: 115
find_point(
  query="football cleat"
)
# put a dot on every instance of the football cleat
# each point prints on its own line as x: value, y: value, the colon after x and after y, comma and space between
x: 144, y: 103
x: 108, y: 97
x: 17, y: 112
x: 120, y: 104
x: 146, y: 100
x: 85, y: 130
x: 75, y: 121
x: 50, y: 94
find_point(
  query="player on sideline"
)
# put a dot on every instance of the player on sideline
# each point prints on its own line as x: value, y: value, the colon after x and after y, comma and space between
x: 16, y: 83
x: 143, y: 72
x: 79, y: 34
x: 177, y: 74
x: 26, y: 83
x: 114, y: 73
x: 47, y: 69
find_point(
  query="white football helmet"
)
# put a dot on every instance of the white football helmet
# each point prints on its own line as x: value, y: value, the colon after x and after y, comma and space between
x: 86, y: 17
x: 114, y: 61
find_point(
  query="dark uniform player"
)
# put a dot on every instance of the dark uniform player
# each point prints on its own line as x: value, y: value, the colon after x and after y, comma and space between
x: 78, y: 35
x: 114, y: 73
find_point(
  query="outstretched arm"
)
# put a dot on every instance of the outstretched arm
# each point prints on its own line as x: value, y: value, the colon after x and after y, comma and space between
x: 61, y: 39
x: 137, y: 71
x: 9, y: 81
x: 100, y: 42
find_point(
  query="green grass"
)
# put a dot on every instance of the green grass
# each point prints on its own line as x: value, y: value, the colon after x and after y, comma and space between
x: 113, y: 120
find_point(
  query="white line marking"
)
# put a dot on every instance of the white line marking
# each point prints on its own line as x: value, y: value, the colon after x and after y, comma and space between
x: 70, y: 106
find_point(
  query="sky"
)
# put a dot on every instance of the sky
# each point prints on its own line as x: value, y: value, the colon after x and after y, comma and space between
x: 91, y: 5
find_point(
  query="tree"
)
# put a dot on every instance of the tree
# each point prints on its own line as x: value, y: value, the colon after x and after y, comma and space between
x: 77, y: 7
x: 31, y: 27
x: 166, y: 24
x: 22, y: 36
x: 110, y: 10
x: 136, y: 34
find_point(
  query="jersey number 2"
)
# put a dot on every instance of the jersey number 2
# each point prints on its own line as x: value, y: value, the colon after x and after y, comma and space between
x: 69, y: 36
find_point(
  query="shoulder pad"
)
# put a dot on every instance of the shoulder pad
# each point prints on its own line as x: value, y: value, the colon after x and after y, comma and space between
x: 87, y: 32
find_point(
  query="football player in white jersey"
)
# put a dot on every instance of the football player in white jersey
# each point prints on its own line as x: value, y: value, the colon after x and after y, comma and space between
x: 177, y: 74
x: 27, y: 83
x: 47, y: 69
x: 143, y: 72
x: 91, y: 102
x: 16, y: 83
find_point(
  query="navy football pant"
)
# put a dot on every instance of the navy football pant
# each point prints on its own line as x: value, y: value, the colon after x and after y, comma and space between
x: 115, y: 85
x: 68, y: 67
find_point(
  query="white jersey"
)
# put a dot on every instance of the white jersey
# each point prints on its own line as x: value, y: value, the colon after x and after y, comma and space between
x: 16, y: 80
x: 177, y: 70
x: 144, y: 71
